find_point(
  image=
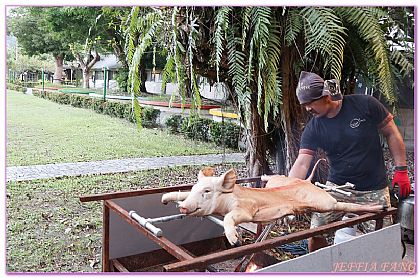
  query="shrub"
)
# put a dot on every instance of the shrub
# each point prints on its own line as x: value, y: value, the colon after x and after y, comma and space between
x: 77, y: 100
x: 110, y: 108
x: 122, y: 77
x: 173, y: 123
x: 61, y: 98
x: 225, y: 134
x: 196, y: 128
x: 98, y: 105
x: 119, y: 109
x: 149, y: 117
x: 87, y: 102
x: 16, y: 87
x: 128, y: 113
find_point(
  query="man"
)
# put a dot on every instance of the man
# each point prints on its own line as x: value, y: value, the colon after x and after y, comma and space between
x: 347, y: 129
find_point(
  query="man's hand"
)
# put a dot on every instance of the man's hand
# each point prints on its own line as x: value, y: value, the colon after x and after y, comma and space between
x: 401, y: 179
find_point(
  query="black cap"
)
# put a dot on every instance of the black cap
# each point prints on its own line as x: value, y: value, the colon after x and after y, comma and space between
x: 312, y: 87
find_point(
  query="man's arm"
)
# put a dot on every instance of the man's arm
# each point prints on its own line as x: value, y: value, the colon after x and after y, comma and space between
x: 395, y: 143
x: 301, y: 166
x: 397, y: 150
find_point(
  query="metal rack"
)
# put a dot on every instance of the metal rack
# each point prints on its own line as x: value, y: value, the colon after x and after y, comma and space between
x: 174, y: 255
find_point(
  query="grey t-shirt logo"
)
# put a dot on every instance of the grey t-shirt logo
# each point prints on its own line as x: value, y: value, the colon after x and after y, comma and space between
x: 356, y: 122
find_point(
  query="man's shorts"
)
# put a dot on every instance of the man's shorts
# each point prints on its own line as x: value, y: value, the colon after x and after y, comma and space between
x: 380, y: 196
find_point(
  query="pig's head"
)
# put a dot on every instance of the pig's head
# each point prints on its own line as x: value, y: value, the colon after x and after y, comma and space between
x: 204, y: 197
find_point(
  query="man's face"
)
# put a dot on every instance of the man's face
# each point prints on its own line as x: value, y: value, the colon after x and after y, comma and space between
x: 318, y: 108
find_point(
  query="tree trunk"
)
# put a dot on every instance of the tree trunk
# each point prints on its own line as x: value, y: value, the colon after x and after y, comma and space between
x: 86, y: 77
x: 143, y: 76
x: 293, y: 117
x: 58, y: 73
x: 256, y: 155
x: 87, y: 66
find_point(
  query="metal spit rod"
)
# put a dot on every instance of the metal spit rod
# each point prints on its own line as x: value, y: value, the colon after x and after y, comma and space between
x: 215, y: 220
x: 148, y: 222
x: 337, y: 188
x: 145, y: 223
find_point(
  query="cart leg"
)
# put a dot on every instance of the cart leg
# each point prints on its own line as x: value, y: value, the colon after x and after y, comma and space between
x: 379, y: 223
x: 105, y: 239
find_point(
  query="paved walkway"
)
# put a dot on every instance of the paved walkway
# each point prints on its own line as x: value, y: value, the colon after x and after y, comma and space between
x: 22, y: 173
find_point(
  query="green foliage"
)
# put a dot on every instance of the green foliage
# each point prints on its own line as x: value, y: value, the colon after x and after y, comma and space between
x: 204, y: 129
x: 225, y: 134
x: 17, y: 86
x: 174, y: 123
x: 17, y: 61
x: 404, y: 63
x: 43, y: 132
x: 137, y: 109
x: 139, y: 37
x: 259, y: 52
x: 238, y: 72
x: 148, y: 115
x: 168, y: 73
x: 293, y: 26
x: 325, y: 33
x: 52, y: 29
x: 221, y: 23
x: 122, y: 78
x: 196, y: 128
x: 367, y: 23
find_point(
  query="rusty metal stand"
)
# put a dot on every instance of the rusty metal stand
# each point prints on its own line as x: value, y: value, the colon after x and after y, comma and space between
x: 186, y: 260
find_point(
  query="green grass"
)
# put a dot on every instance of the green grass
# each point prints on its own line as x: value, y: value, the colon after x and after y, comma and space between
x: 41, y: 132
x: 50, y: 230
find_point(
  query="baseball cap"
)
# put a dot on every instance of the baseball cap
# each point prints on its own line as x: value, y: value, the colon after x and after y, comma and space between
x: 312, y: 87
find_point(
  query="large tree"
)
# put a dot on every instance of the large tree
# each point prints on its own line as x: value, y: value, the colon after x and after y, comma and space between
x: 34, y: 37
x: 64, y: 32
x: 259, y: 52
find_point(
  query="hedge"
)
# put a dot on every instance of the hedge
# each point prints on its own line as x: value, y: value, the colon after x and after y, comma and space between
x: 112, y: 108
x: 222, y: 134
x: 195, y: 127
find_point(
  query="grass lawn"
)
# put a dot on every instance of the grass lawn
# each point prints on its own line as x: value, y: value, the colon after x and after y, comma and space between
x: 50, y: 230
x: 41, y: 132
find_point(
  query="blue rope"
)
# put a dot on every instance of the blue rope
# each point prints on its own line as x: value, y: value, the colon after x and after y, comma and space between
x: 296, y: 248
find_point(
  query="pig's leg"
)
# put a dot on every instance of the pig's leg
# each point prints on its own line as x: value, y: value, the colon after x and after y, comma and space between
x: 174, y: 197
x: 350, y: 207
x: 231, y: 220
x: 326, y: 206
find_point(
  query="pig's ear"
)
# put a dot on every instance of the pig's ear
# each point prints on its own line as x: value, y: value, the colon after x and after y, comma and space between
x: 206, y: 172
x: 229, y: 180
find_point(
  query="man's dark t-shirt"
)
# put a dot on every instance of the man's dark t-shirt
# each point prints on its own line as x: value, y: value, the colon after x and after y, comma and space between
x: 351, y: 142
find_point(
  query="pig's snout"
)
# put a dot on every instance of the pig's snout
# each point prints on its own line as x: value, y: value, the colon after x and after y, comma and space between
x: 183, y: 210
x: 186, y: 209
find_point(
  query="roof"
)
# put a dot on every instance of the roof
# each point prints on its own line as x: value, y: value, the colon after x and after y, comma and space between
x: 109, y: 61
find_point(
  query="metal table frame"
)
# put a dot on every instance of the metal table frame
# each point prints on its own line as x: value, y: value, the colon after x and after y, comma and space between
x: 186, y: 260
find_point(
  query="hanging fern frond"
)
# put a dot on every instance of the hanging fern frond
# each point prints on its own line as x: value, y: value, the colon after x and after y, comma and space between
x: 261, y: 17
x: 246, y: 19
x: 137, y: 113
x: 406, y: 67
x: 221, y: 23
x: 178, y: 50
x: 168, y: 73
x: 293, y: 26
x: 366, y: 22
x: 140, y: 36
x: 131, y: 33
x: 192, y: 38
x: 196, y: 96
x: 272, y: 84
x: 325, y: 33
x: 237, y: 71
